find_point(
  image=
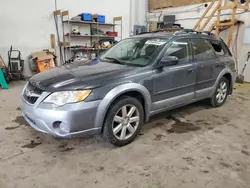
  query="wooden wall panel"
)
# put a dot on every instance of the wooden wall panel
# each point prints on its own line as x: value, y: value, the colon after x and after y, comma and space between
x: 160, y: 4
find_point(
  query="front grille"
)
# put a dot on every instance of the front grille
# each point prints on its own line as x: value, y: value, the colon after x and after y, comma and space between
x: 32, y: 93
x: 34, y: 88
x: 31, y: 100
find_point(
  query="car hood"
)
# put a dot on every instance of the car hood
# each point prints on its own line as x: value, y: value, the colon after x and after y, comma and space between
x: 88, y: 75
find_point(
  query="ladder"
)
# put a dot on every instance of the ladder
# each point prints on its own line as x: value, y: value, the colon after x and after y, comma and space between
x: 219, y: 24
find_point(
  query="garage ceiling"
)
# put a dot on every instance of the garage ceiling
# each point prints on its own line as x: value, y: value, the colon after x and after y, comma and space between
x: 160, y: 4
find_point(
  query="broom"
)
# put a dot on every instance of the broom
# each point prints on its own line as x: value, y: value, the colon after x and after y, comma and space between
x: 240, y: 78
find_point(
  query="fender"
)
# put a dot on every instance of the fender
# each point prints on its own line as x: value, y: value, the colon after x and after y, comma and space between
x: 222, y: 73
x: 116, y: 92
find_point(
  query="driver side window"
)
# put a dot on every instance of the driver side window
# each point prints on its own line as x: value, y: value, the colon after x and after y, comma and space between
x: 179, y: 49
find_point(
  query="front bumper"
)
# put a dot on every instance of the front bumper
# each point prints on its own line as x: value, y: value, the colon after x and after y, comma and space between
x: 46, y: 118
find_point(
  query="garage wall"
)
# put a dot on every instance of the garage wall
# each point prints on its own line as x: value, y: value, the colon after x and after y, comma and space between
x: 27, y: 24
x: 187, y: 16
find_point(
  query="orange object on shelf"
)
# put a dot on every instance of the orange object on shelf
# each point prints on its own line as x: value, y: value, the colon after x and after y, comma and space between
x: 44, y: 61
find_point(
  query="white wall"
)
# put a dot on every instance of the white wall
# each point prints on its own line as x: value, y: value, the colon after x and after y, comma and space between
x: 27, y: 24
x: 188, y: 16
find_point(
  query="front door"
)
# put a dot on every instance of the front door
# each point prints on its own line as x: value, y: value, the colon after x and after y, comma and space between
x: 174, y: 85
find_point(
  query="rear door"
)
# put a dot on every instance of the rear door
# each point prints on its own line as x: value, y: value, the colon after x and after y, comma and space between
x: 204, y: 58
x: 222, y: 56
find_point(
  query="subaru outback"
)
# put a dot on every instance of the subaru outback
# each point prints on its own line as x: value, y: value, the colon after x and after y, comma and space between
x: 140, y: 76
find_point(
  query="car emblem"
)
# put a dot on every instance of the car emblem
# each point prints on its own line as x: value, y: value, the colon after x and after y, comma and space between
x: 28, y: 93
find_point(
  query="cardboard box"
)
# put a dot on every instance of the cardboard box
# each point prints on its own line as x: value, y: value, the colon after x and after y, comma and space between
x: 43, y: 60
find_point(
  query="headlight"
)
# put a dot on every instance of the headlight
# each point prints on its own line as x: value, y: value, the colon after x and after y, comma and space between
x: 65, y: 97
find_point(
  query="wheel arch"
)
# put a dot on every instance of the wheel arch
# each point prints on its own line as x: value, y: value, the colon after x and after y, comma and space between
x: 227, y: 73
x: 228, y: 76
x: 129, y: 89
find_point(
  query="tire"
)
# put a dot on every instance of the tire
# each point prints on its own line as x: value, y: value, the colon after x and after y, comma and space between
x: 220, y: 95
x: 123, y: 121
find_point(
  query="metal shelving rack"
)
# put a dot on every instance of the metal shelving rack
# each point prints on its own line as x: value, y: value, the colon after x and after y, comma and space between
x: 67, y: 44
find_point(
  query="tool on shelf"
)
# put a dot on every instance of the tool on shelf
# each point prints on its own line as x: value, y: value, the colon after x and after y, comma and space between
x: 98, y: 29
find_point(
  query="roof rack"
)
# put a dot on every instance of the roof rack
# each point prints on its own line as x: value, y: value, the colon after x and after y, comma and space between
x: 191, y: 31
x: 143, y: 33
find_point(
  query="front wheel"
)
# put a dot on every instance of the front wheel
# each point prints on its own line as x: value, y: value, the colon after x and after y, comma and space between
x: 221, y: 93
x: 123, y: 122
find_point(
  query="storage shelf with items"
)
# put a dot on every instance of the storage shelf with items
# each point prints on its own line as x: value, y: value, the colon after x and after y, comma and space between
x: 85, y: 32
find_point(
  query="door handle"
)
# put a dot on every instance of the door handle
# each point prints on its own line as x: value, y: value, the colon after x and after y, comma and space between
x: 190, y: 70
x: 218, y: 65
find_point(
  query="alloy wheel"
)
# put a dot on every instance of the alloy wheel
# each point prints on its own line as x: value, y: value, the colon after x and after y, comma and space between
x: 221, y: 92
x: 125, y: 122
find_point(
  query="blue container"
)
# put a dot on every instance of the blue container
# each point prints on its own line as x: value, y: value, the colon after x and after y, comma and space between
x: 86, y: 17
x: 101, y: 19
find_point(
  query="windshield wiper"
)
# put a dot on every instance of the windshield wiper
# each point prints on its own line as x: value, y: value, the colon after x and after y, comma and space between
x: 114, y: 60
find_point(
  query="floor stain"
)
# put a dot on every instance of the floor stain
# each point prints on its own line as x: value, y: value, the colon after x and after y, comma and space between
x: 159, y: 124
x: 243, y: 98
x: 217, y: 131
x: 202, y: 122
x: 11, y: 128
x: 182, y: 127
x: 100, y: 168
x: 63, y: 145
x: 205, y: 171
x: 245, y: 152
x: 32, y: 144
x: 18, y: 108
x: 20, y: 120
x: 226, y: 165
x: 67, y: 149
x: 158, y: 137
x: 189, y: 160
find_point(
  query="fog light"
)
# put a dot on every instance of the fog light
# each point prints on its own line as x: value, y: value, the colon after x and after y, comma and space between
x: 64, y: 127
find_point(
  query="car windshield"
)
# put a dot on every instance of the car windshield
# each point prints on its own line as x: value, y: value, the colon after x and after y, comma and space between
x: 135, y: 51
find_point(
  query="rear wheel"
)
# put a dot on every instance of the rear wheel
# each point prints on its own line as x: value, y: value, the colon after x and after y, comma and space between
x: 221, y: 93
x: 123, y: 122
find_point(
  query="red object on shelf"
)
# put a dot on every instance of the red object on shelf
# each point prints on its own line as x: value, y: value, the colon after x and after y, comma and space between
x: 112, y: 34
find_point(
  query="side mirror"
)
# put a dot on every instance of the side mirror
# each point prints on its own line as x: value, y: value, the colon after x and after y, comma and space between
x: 168, y: 61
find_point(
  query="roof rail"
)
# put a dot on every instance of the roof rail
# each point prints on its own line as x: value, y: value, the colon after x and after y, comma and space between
x: 191, y: 31
x: 186, y: 31
x: 142, y: 33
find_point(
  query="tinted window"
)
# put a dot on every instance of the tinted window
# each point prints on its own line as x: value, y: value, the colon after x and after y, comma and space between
x: 179, y: 49
x: 202, y: 50
x: 217, y: 46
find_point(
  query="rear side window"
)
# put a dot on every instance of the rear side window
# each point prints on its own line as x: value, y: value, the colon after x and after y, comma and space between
x: 217, y: 46
x: 202, y: 50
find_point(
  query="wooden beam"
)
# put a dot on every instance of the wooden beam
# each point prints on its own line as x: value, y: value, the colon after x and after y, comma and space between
x: 52, y: 41
x: 211, y: 28
x: 118, y: 18
x: 225, y: 24
x: 197, y: 25
x: 243, y: 7
x: 57, y: 12
x: 211, y: 15
x: 231, y: 30
x: 217, y: 22
x: 65, y: 44
x: 65, y: 13
x: 227, y: 7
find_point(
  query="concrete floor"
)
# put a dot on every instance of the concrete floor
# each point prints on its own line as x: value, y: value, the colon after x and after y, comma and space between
x: 196, y: 146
